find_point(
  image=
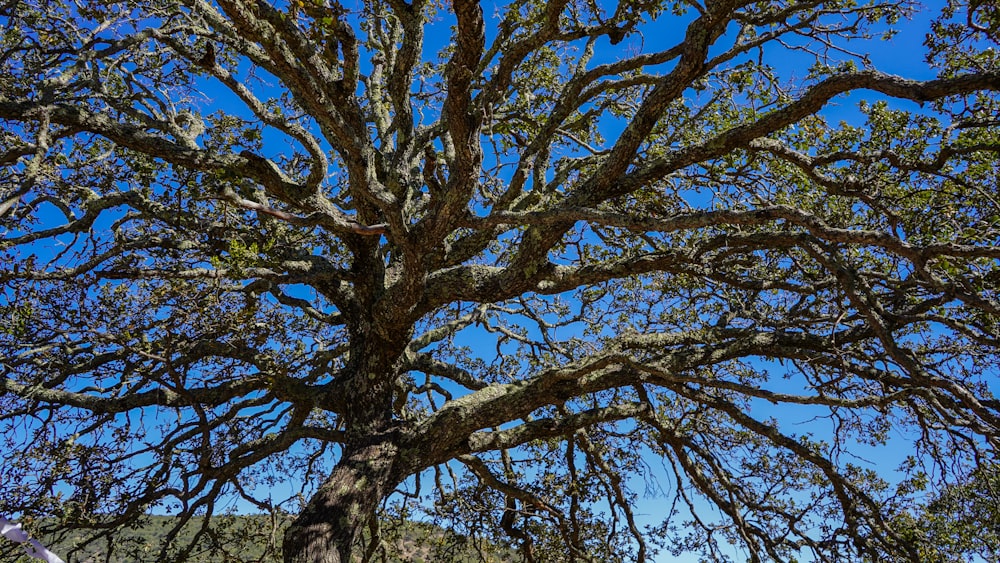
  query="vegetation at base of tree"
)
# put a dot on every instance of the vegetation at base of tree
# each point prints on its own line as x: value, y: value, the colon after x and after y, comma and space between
x: 239, y: 538
x: 512, y: 268
x: 234, y: 538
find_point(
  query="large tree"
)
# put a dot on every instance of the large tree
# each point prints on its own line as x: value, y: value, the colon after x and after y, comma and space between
x: 529, y: 253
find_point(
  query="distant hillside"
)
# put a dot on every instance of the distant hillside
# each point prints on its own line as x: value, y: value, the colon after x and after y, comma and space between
x: 236, y: 539
x: 230, y: 539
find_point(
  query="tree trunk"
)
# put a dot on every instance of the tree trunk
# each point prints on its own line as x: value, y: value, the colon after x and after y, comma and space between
x: 326, y: 530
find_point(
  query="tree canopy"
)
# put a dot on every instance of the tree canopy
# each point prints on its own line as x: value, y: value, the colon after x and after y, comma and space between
x: 961, y: 522
x: 502, y: 267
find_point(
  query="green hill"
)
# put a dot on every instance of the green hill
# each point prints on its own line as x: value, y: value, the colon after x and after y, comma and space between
x: 256, y: 538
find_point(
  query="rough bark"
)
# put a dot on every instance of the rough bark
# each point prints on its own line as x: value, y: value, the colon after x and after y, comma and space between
x: 326, y: 530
